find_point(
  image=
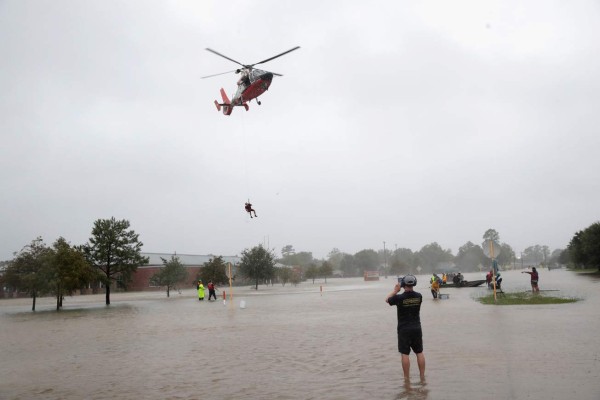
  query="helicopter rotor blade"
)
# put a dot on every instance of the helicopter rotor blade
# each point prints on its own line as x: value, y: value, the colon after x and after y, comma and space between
x: 274, y: 57
x: 221, y: 73
x: 227, y: 58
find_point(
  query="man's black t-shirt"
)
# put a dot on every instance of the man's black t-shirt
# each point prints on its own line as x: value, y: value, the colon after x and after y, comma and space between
x: 408, y: 305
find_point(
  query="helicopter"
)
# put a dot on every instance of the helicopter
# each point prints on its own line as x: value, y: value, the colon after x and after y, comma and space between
x: 252, y: 83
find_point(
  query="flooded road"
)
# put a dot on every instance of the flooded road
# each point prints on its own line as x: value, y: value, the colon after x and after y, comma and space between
x: 296, y: 343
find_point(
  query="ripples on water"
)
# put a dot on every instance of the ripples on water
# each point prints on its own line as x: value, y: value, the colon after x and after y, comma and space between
x: 338, y: 345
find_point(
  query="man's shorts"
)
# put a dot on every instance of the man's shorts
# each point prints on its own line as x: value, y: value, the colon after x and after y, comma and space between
x: 410, y: 339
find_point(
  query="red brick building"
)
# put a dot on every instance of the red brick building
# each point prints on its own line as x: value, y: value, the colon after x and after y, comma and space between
x: 193, y: 263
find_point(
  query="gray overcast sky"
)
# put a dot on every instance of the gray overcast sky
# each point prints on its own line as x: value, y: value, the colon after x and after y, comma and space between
x: 400, y: 121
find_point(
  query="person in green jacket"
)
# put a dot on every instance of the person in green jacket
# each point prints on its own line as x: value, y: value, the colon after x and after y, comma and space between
x: 200, y: 291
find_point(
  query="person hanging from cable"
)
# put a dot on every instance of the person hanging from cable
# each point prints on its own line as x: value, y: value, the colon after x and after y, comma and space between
x: 249, y: 209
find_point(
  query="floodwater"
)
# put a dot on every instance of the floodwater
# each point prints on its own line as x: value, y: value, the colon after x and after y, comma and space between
x: 299, y: 343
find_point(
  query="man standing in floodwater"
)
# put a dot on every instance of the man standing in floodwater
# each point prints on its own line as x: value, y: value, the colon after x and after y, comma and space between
x: 211, y: 291
x: 410, y: 336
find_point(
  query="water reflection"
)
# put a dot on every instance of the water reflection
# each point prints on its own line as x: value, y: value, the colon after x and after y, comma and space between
x: 416, y: 391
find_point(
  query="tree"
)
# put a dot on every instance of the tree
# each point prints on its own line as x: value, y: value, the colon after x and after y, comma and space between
x: 399, y: 267
x: 564, y: 257
x: 491, y: 234
x: 366, y: 260
x: 348, y: 265
x: 535, y: 255
x: 432, y: 254
x: 506, y: 256
x: 171, y: 273
x: 575, y: 249
x: 302, y: 259
x: 325, y: 270
x: 257, y: 264
x: 214, y: 270
x: 555, y: 257
x: 68, y: 270
x: 335, y: 257
x: 27, y: 271
x: 115, y: 251
x: 405, y: 258
x: 284, y: 274
x: 469, y: 257
x: 312, y: 272
x: 584, y: 247
x: 287, y: 250
x: 296, y: 277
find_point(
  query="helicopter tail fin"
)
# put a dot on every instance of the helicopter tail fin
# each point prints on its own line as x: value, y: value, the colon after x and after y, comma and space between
x: 227, y: 108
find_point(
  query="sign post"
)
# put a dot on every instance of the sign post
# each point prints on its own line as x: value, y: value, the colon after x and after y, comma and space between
x: 230, y: 276
x: 491, y: 249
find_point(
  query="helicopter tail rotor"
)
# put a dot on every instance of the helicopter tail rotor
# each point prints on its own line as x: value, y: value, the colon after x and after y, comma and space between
x: 226, y: 104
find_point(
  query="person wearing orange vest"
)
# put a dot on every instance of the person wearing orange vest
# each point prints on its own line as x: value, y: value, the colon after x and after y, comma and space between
x: 435, y: 288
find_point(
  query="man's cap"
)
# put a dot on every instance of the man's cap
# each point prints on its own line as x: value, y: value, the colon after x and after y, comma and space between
x: 410, y: 280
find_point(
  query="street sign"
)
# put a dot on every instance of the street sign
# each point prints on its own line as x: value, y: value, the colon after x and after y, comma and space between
x: 491, y: 248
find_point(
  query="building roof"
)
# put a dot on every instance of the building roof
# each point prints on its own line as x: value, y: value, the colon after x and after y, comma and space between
x: 155, y: 259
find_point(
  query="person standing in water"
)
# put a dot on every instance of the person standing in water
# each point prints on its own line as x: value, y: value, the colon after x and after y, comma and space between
x: 410, y: 336
x: 534, y: 279
x: 435, y: 288
x: 200, y: 291
x: 211, y: 291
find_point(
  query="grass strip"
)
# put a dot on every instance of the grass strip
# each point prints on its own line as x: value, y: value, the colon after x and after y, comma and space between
x: 527, y: 298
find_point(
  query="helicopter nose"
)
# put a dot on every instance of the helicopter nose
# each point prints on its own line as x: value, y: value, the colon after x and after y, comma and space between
x: 267, y: 76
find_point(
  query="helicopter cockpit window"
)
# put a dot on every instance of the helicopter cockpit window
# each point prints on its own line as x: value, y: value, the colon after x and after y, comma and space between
x: 255, y: 75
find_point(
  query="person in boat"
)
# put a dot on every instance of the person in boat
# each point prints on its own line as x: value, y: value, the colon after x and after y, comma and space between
x: 498, y: 280
x: 458, y: 279
x: 534, y: 279
x: 249, y: 209
x: 410, y: 335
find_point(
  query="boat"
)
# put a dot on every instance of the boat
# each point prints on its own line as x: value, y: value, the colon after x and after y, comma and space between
x: 464, y: 284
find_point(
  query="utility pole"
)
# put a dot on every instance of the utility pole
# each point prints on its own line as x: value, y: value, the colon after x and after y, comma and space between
x: 384, y: 260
